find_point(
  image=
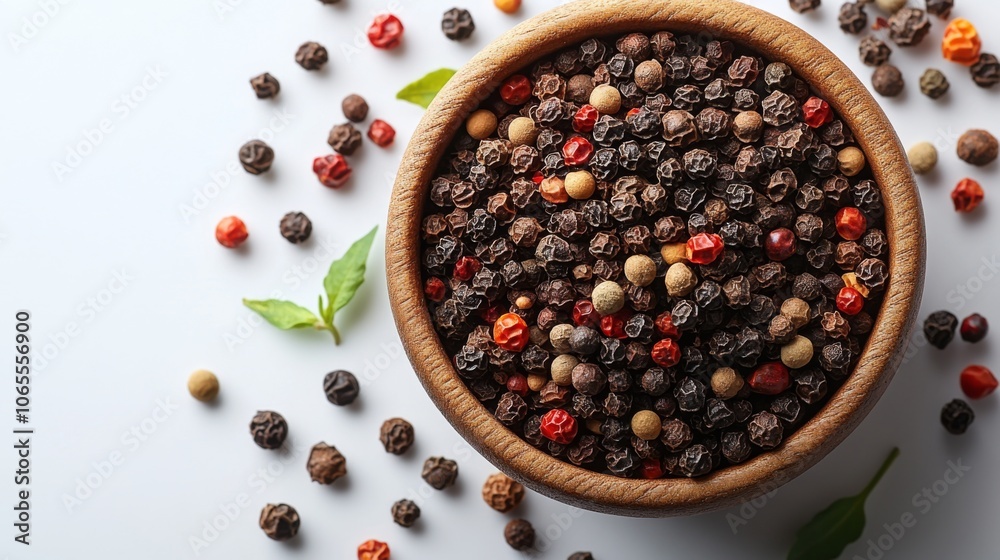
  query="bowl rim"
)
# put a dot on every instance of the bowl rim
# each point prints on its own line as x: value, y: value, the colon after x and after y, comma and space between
x: 773, y: 38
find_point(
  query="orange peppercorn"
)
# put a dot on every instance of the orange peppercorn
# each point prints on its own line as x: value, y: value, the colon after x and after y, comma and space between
x: 961, y: 43
x: 373, y: 550
x: 553, y: 189
x: 510, y: 332
x: 507, y: 6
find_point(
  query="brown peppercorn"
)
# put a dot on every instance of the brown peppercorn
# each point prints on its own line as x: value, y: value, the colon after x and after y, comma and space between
x: 522, y: 131
x: 874, y: 51
x: 439, y: 472
x: 649, y: 76
x: 580, y: 185
x: 680, y: 280
x: 355, y: 108
x: 646, y: 425
x: 396, y: 435
x: 606, y: 99
x: 405, y: 513
x: 203, y: 385
x: 502, y: 493
x: 726, y: 383
x: 579, y: 88
x: 933, y: 83
x: 888, y: 80
x: 747, y: 126
x: 326, y: 464
x: 797, y: 311
x: 852, y: 17
x: 344, y: 139
x: 851, y: 161
x: 803, y: 6
x: 312, y: 56
x: 986, y: 71
x: 640, y: 270
x: 268, y: 429
x: 781, y: 329
x: 279, y: 521
x: 481, y: 124
x: 977, y: 147
x: 256, y: 157
x: 923, y: 158
x: 519, y: 534
x: 265, y: 86
x: 296, y: 227
x: 909, y: 26
x: 940, y: 8
x: 797, y: 353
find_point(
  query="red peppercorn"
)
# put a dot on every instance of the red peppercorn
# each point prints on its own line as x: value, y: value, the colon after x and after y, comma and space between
x: 558, y: 426
x: 816, y: 112
x: 585, y: 118
x: 666, y: 353
x: 704, y: 248
x: 771, y: 378
x: 977, y: 382
x: 231, y: 232
x: 381, y: 133
x: 386, y: 31
x: 974, y: 328
x: 850, y: 301
x: 665, y: 326
x: 466, y: 267
x: 490, y: 314
x: 333, y: 170
x: 651, y: 469
x: 434, y: 289
x: 516, y: 90
x: 584, y: 314
x: 780, y: 244
x: 510, y: 332
x: 373, y: 550
x: 613, y: 326
x: 537, y: 178
x: 851, y: 223
x: 967, y: 195
x: 518, y: 383
x: 577, y: 151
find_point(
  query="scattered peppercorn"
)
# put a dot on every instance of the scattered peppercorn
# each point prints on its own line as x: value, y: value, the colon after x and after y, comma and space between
x: 405, y: 513
x: 332, y: 171
x: 923, y: 157
x: 268, y: 429
x: 344, y: 139
x: 934, y: 84
x: 312, y: 56
x: 909, y: 26
x: 977, y: 382
x: 231, y: 232
x: 939, y: 328
x: 587, y: 555
x: 852, y: 17
x: 986, y: 71
x: 439, y: 472
x: 355, y: 108
x: 974, y: 328
x: 940, y: 8
x: 803, y: 6
x: 874, y: 51
x: 373, y: 550
x: 279, y: 521
x: 967, y: 195
x: 256, y: 157
x: 502, y: 493
x: 961, y: 43
x: 341, y: 387
x: 381, y: 133
x: 204, y: 385
x: 265, y: 86
x: 519, y: 533
x: 385, y: 31
x: 977, y: 147
x: 888, y: 80
x: 957, y: 416
x: 890, y: 6
x: 295, y: 227
x: 457, y: 24
x: 326, y: 464
x: 396, y: 436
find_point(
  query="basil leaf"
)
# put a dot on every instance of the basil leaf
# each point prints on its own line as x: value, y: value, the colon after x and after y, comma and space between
x: 827, y: 535
x: 422, y: 91
x: 348, y: 273
x: 283, y: 314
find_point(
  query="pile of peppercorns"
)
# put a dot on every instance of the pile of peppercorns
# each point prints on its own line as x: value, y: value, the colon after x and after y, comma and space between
x: 654, y: 256
x: 976, y: 381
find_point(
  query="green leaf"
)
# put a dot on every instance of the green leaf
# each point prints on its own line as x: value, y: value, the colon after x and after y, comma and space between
x: 422, y: 91
x: 283, y: 314
x: 827, y: 535
x: 348, y: 273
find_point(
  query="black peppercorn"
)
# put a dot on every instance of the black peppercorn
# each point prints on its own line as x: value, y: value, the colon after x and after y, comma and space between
x: 355, y: 108
x: 312, y: 56
x: 909, y: 26
x: 803, y: 6
x: 939, y: 328
x: 888, y: 80
x: 396, y: 435
x: 940, y: 8
x: 279, y: 521
x: 344, y: 139
x: 934, y: 84
x: 519, y: 534
x: 405, y: 513
x: 457, y: 24
x: 957, y: 416
x: 265, y: 86
x: 268, y: 429
x: 295, y: 227
x: 852, y: 17
x: 341, y: 387
x: 256, y: 157
x: 326, y: 465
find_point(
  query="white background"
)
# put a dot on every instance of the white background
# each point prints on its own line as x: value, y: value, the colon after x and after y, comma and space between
x: 113, y: 358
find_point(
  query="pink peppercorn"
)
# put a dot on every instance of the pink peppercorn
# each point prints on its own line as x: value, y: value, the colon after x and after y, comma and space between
x: 704, y: 248
x: 231, y: 232
x: 851, y: 223
x: 771, y: 378
x: 850, y: 301
x: 333, y: 170
x: 666, y: 353
x: 516, y: 90
x: 816, y: 112
x: 558, y: 426
x: 385, y: 31
x: 585, y: 119
x: 577, y: 151
x: 780, y: 244
x: 381, y: 133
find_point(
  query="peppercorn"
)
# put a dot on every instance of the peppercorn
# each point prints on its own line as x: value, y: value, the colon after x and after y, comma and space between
x: 888, y: 80
x: 312, y: 56
x: 940, y: 8
x: 577, y: 151
x: 851, y: 161
x: 279, y: 522
x: 852, y: 17
x: 268, y: 429
x: 501, y: 493
x: 355, y: 108
x: 507, y: 6
x: 511, y: 332
x: 405, y: 513
x: 396, y: 436
x: 977, y: 382
x: 265, y: 86
x: 939, y: 328
x: 704, y: 248
x: 457, y: 24
x: 780, y: 244
x: 519, y: 533
x: 747, y: 126
x: 909, y: 26
x: 986, y: 71
x: 923, y: 157
x: 204, y: 385
x: 646, y: 425
x: 967, y: 195
x: 344, y: 139
x: 326, y: 464
x: 640, y: 270
x: 385, y: 31
x: 295, y: 227
x: 439, y: 472
x: 231, y: 232
x: 649, y: 76
x: 606, y: 99
x: 481, y: 124
x: 666, y: 353
x: 797, y: 353
x: 726, y: 383
x: 803, y: 6
x: 332, y: 171
x: 373, y: 550
x: 256, y: 157
x: 558, y: 426
x: 974, y: 328
x: 977, y: 147
x: 961, y: 43
x: 957, y: 416
x: 769, y: 378
x: 934, y: 84
x: 341, y: 387
x: 680, y: 280
x: 381, y: 133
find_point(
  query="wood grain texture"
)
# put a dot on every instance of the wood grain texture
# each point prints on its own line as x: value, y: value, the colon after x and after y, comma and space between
x: 773, y: 38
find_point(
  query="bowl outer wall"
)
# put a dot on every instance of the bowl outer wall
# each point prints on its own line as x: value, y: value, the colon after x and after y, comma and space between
x: 725, y: 19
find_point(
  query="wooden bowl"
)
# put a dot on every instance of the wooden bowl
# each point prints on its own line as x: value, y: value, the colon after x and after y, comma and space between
x: 572, y: 24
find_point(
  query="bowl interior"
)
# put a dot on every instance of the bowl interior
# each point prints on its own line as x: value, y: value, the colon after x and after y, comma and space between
x: 772, y: 38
